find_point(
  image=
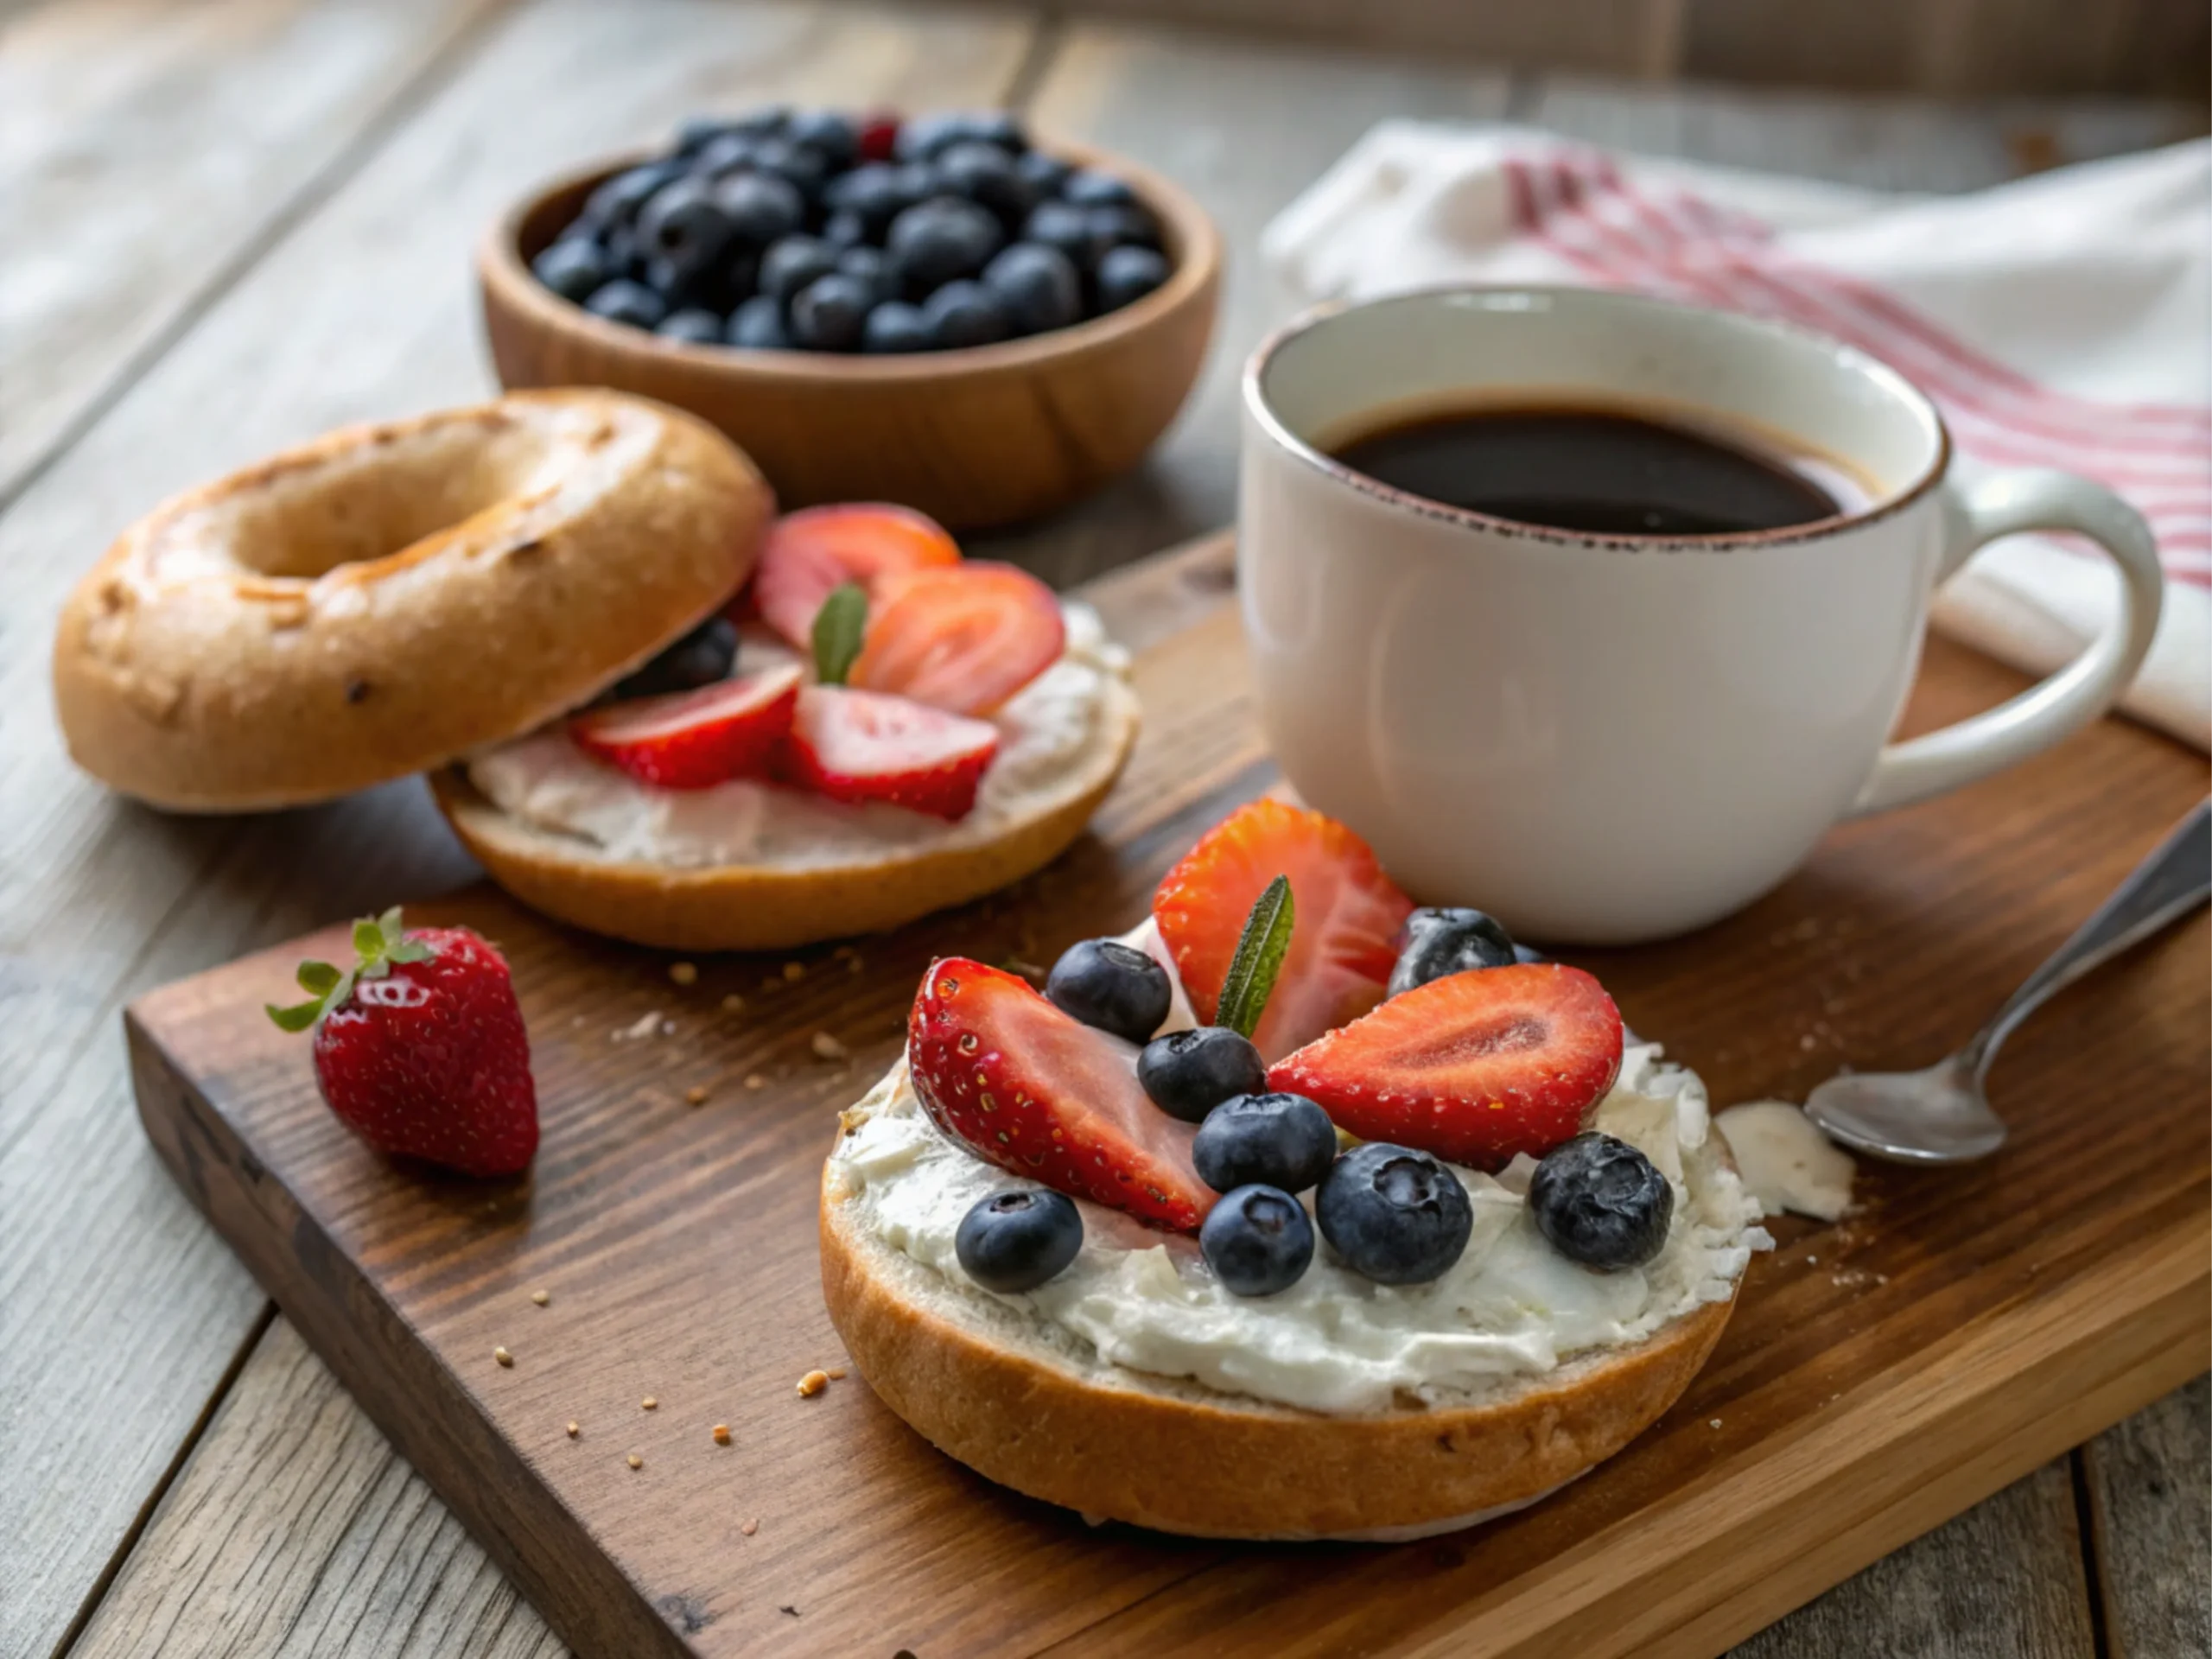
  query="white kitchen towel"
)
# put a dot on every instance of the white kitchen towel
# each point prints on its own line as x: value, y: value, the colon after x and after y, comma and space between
x: 2061, y: 321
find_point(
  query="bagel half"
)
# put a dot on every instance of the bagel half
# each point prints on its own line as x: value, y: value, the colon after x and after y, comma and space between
x: 760, y: 907
x: 978, y: 1378
x: 388, y: 597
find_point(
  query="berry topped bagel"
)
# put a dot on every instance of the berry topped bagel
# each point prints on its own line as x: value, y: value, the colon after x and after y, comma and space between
x: 1139, y: 1266
x: 388, y: 597
x: 876, y: 729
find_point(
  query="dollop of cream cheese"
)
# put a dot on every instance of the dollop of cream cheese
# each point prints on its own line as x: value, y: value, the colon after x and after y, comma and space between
x: 1048, y: 732
x: 1336, y: 1341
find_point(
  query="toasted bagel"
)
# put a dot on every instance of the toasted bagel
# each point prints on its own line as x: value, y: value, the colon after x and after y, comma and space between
x: 760, y: 907
x: 988, y: 1385
x: 388, y: 597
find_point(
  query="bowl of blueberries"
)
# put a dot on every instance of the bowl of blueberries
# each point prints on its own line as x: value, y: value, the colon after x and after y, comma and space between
x: 936, y: 310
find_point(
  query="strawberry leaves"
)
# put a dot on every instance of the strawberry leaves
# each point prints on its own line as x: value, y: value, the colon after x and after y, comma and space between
x: 840, y: 627
x: 1259, y: 952
x: 378, y: 942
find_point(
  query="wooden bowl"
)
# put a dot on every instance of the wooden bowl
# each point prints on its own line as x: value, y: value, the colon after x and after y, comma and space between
x: 979, y: 436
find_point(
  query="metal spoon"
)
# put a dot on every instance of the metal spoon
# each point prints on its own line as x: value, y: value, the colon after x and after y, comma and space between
x: 1940, y: 1115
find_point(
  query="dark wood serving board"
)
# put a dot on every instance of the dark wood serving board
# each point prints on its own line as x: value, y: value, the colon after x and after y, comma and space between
x: 1880, y: 1375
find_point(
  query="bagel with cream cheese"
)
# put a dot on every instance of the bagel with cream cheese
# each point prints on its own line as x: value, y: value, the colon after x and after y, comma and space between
x: 390, y: 596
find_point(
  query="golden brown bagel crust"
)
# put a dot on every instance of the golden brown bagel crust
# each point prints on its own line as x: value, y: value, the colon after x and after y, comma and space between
x: 747, y: 907
x: 388, y: 597
x: 1183, y: 1459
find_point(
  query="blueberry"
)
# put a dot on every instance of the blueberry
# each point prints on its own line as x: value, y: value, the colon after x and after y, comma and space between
x: 726, y: 154
x: 1013, y: 1242
x: 924, y: 137
x: 1122, y: 227
x: 694, y: 324
x: 684, y: 224
x: 1045, y: 174
x: 1188, y: 1073
x: 573, y: 267
x: 765, y: 122
x: 829, y: 313
x: 793, y: 262
x: 695, y: 132
x: 963, y: 313
x: 873, y: 193
x: 918, y: 181
x: 1037, y: 285
x: 1057, y: 225
x: 1601, y: 1203
x: 1127, y: 274
x: 842, y: 231
x: 1088, y: 187
x: 1527, y: 953
x: 1113, y: 986
x: 624, y: 301
x: 1393, y: 1214
x: 761, y: 208
x: 616, y: 200
x: 940, y: 239
x: 759, y: 323
x: 700, y: 658
x: 1434, y: 943
x: 997, y: 127
x: 985, y: 173
x: 828, y: 134
x: 1276, y: 1139
x: 895, y: 326
x: 872, y: 267
x: 1257, y: 1239
x: 803, y: 168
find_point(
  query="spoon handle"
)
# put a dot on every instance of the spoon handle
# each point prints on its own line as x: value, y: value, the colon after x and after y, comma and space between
x: 2166, y: 886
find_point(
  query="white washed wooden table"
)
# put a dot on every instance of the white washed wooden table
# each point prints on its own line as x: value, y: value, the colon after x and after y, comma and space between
x: 227, y: 225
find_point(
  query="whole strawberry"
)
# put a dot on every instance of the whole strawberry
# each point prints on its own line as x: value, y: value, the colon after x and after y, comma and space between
x: 419, y: 1047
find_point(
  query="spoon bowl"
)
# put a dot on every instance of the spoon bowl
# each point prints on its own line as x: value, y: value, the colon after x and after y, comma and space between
x: 1937, y: 1116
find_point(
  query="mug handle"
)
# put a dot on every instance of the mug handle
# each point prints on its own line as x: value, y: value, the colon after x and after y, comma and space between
x: 2005, y: 503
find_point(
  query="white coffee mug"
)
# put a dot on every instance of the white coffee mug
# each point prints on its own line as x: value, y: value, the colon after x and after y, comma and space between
x: 1608, y: 739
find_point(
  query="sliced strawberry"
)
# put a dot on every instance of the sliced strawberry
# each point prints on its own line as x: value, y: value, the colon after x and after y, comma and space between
x: 965, y: 639
x: 1342, y: 944
x: 867, y: 746
x: 1024, y: 1086
x: 811, y: 552
x: 1474, y: 1067
x: 695, y: 740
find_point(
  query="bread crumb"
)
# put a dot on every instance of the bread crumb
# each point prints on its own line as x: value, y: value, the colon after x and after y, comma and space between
x: 750, y: 1528
x: 812, y: 1383
x: 1714, y: 1424
x: 683, y: 973
x: 1812, y: 1261
x: 503, y: 1356
x: 721, y: 1434
x: 835, y: 1373
x: 634, y: 1461
x: 574, y: 1428
x: 794, y: 971
x: 828, y: 1047
x: 733, y: 1003
x: 541, y: 1297
x: 696, y: 1094
x: 649, y: 1403
x: 668, y: 1027
x: 640, y: 1028
x: 756, y: 1081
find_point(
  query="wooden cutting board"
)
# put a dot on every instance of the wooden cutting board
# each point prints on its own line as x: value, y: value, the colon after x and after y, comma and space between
x: 1880, y: 1375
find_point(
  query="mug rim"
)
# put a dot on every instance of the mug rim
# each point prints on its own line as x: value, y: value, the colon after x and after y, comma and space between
x: 1316, y: 316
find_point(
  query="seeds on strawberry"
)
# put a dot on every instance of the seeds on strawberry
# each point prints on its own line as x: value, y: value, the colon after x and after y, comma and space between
x: 1024, y: 1086
x: 1474, y: 1067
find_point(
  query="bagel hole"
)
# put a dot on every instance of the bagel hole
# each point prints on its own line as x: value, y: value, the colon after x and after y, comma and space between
x: 376, y: 501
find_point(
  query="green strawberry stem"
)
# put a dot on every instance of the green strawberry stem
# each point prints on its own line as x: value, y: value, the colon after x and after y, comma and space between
x: 1260, y: 952
x: 839, y: 628
x: 379, y: 942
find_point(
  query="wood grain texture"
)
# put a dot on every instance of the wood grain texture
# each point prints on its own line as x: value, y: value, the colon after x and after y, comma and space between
x: 974, y: 438
x: 292, y: 1471
x: 119, y: 1311
x: 145, y: 149
x: 1243, y: 125
x: 1881, y: 1374
x: 2152, y: 1510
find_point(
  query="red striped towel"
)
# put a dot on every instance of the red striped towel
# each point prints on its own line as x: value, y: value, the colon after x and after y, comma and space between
x: 2064, y: 320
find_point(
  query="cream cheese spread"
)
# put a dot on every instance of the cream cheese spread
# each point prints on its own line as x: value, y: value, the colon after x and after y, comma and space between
x: 1049, y: 733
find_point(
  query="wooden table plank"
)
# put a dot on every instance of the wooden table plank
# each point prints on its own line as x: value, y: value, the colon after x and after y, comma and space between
x: 146, y: 149
x: 121, y: 1310
x: 1244, y: 124
x: 2150, y: 1494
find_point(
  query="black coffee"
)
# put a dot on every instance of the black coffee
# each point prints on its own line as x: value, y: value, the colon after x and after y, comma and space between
x: 1606, y: 473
